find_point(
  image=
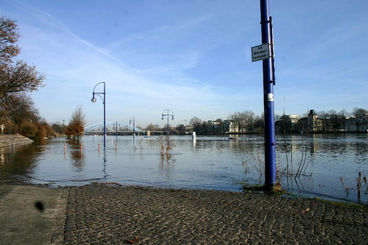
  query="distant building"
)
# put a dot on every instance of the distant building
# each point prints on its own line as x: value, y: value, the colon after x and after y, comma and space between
x: 314, y: 123
x: 233, y: 127
x: 216, y: 127
x: 287, y: 124
x: 358, y: 125
x: 294, y: 119
x: 311, y: 123
x: 230, y: 126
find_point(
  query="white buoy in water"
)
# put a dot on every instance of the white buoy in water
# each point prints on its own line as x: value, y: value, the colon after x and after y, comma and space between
x: 194, y: 136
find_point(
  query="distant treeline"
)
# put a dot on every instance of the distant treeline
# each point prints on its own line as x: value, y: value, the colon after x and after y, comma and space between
x: 250, y: 123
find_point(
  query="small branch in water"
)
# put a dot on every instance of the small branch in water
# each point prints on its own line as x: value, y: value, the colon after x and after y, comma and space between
x: 345, y: 186
x: 359, y: 184
x: 366, y: 185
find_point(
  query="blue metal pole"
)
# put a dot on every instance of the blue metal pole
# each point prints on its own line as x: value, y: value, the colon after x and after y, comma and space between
x: 268, y: 100
x: 104, y: 102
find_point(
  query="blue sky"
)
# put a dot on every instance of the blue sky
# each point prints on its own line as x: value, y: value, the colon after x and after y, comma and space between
x: 191, y: 56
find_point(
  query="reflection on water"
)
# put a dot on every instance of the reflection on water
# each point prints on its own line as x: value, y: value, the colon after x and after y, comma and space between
x: 76, y: 154
x: 311, y: 165
x: 328, y: 159
x: 18, y: 161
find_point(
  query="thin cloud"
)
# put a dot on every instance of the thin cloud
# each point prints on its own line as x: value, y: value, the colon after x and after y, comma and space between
x: 84, y: 64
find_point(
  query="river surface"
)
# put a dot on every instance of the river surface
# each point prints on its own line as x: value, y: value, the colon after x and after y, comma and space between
x: 324, y: 166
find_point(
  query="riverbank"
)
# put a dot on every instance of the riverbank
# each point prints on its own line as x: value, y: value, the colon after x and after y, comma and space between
x: 113, y: 214
x: 13, y: 140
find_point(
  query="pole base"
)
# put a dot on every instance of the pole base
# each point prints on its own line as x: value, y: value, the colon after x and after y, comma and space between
x: 273, y: 187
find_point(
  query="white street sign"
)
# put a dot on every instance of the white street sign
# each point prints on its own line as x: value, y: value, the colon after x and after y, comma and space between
x: 261, y: 52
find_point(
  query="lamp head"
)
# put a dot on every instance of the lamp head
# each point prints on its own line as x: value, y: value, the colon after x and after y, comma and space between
x: 93, y: 99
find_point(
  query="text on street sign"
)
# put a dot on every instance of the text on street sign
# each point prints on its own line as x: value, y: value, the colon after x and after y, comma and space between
x: 261, y: 52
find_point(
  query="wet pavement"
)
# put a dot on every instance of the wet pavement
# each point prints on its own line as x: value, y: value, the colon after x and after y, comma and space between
x: 112, y: 214
x: 32, y: 215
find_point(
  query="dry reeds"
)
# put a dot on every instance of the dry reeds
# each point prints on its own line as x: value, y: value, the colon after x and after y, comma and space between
x: 303, y: 163
x: 165, y: 148
x: 359, y: 184
x: 344, y: 185
x: 255, y: 162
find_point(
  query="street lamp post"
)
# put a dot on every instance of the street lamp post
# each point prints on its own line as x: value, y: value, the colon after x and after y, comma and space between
x: 169, y: 114
x: 104, y: 103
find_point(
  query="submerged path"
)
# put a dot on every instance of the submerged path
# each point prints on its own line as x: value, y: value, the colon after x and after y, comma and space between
x: 100, y: 213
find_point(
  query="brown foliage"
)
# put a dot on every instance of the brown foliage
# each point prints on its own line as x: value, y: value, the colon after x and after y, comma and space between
x: 44, y: 131
x: 76, y: 124
x: 19, y: 77
x: 28, y: 129
x: 19, y: 108
x: 14, y: 76
x: 8, y: 37
x: 17, y: 111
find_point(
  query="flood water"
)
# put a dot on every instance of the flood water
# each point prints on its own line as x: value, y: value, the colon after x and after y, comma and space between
x: 324, y: 166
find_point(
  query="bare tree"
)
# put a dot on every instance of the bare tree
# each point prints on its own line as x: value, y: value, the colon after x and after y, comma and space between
x: 15, y: 76
x: 180, y: 129
x: 360, y: 114
x: 19, y: 109
x: 153, y: 127
x: 244, y: 120
x: 197, y: 125
x: 76, y: 125
x: 194, y: 121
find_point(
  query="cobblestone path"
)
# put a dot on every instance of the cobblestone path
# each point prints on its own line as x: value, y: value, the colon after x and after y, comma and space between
x: 105, y: 214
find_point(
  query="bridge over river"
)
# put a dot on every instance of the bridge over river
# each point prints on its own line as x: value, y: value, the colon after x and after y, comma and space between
x: 112, y: 128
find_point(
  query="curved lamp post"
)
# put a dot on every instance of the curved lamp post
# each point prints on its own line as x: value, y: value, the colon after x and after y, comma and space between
x: 104, y: 103
x: 168, y: 114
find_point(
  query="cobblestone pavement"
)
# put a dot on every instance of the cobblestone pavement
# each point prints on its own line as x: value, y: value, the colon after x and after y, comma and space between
x: 100, y: 213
